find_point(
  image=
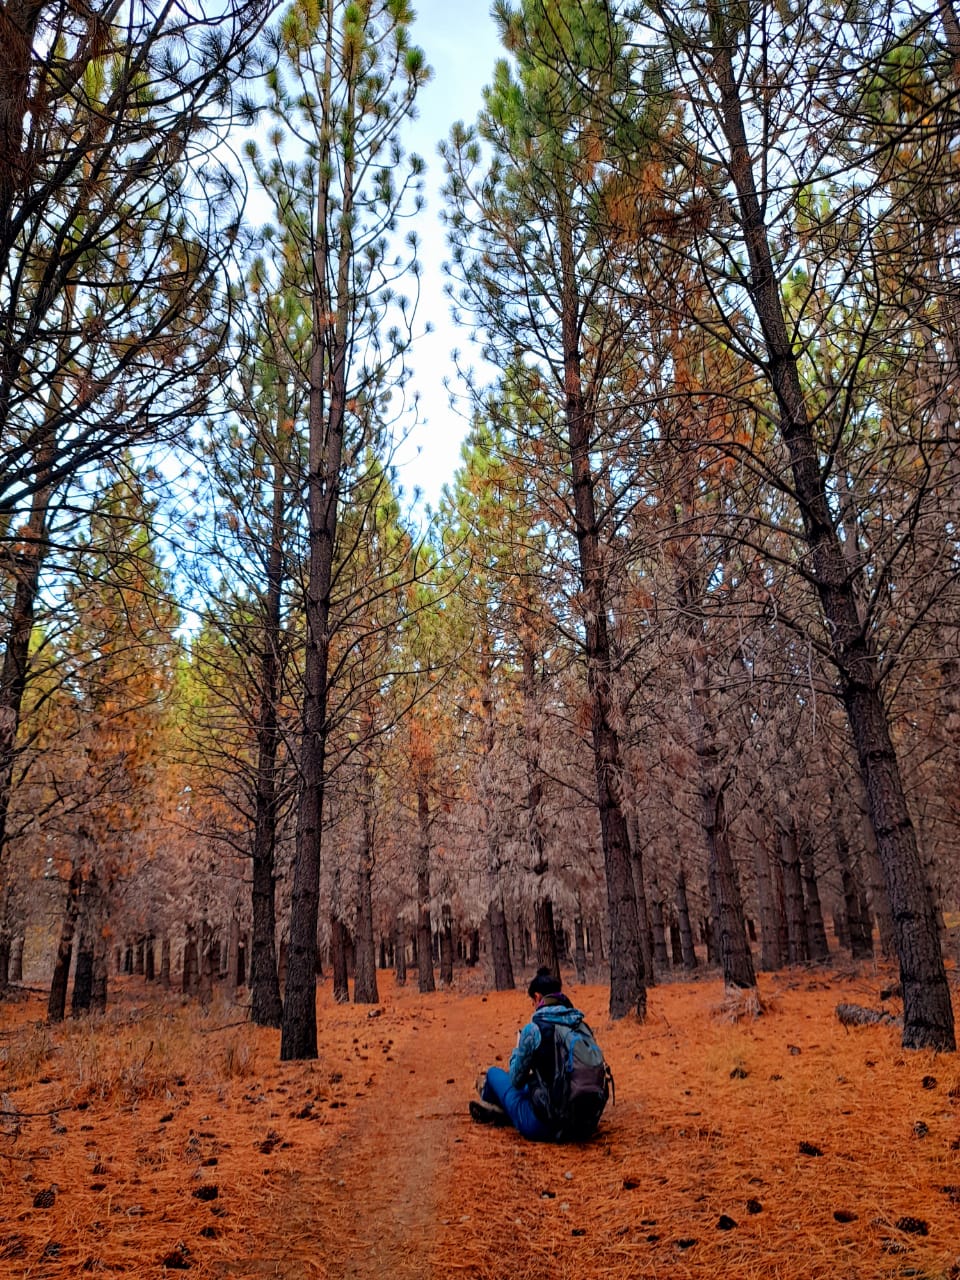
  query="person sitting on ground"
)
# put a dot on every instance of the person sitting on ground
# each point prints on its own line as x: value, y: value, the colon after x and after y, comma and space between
x: 508, y: 1097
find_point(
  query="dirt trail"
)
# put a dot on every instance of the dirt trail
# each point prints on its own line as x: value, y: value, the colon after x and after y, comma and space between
x: 375, y: 1201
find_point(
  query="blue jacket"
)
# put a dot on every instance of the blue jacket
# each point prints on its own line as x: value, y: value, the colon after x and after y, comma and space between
x: 523, y: 1058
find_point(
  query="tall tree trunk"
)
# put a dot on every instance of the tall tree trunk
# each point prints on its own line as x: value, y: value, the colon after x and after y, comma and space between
x: 728, y: 934
x: 266, y: 1006
x: 91, y: 941
x: 191, y: 963
x: 627, y: 978
x: 543, y: 921
x: 28, y: 566
x: 771, y: 957
x: 736, y: 962
x: 57, y: 1002
x: 165, y: 962
x: 365, y: 976
x: 812, y: 909
x: 878, y: 901
x: 6, y: 945
x: 98, y: 988
x: 232, y: 952
x: 687, y: 947
x: 579, y: 949
x: 15, y: 973
x: 328, y: 368
x: 503, y: 979
x: 643, y: 912
x: 546, y: 931
x: 658, y: 931
x: 499, y: 930
x: 797, y: 949
x: 424, y: 927
x: 859, y: 931
x: 400, y: 954
x: 927, y: 1010
x: 209, y: 947
x: 338, y: 960
x: 82, y: 996
x: 446, y: 946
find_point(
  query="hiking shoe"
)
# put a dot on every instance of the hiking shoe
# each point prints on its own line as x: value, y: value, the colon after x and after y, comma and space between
x: 487, y: 1112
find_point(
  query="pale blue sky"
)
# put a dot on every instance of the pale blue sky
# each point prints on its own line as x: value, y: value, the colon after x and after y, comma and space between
x: 461, y: 45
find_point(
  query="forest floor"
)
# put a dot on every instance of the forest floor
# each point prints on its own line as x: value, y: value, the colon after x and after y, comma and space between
x: 162, y: 1139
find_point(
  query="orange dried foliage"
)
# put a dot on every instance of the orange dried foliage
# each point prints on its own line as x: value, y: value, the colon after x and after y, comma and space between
x: 365, y: 1163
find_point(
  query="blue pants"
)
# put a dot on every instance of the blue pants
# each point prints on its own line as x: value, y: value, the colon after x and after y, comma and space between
x: 516, y: 1103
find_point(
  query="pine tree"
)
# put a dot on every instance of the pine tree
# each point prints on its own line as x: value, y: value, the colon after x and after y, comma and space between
x: 533, y: 270
x: 346, y: 79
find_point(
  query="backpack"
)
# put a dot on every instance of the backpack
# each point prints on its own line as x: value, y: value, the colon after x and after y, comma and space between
x: 572, y: 1102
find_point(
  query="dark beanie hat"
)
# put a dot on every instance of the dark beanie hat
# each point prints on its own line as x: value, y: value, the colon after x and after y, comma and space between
x: 544, y: 984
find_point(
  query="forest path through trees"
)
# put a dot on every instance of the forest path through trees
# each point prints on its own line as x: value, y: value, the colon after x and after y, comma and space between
x: 374, y: 1202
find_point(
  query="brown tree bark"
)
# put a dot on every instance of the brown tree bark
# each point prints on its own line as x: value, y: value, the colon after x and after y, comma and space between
x: 543, y: 921
x: 266, y: 1005
x: 18, y: 22
x: 733, y: 950
x: 812, y: 908
x: 82, y: 995
x: 57, y: 1002
x: 400, y: 954
x: 503, y: 977
x: 98, y: 989
x: 797, y: 949
x: 16, y: 654
x: 643, y: 912
x: 658, y: 932
x: 446, y: 946
x: 498, y: 930
x: 687, y: 947
x: 579, y: 949
x: 771, y: 956
x: 326, y: 424
x: 928, y: 1013
x: 728, y: 935
x: 627, y: 978
x: 338, y: 960
x: 425, y: 977
x: 209, y: 952
x: 190, y: 983
x: 365, y: 989
x: 15, y: 972
x: 859, y: 930
x: 546, y: 930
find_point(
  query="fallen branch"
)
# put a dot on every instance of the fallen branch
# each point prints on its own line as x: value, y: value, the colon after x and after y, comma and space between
x: 855, y: 1015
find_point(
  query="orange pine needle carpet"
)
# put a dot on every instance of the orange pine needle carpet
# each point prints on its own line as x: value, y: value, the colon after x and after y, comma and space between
x: 162, y: 1139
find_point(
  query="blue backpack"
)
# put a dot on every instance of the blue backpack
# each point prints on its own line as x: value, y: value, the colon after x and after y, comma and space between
x: 572, y: 1101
